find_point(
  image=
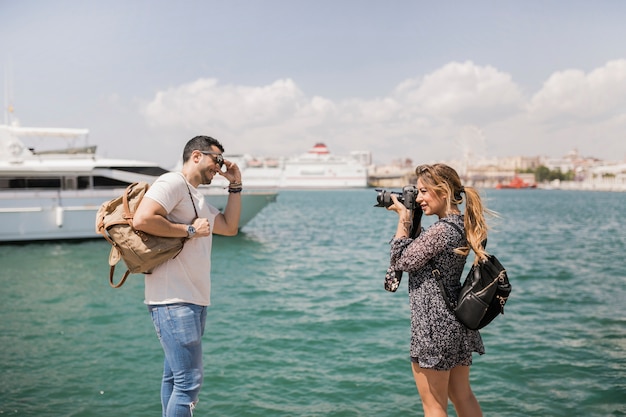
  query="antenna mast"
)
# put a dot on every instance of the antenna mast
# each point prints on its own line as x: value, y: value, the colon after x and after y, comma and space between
x: 8, y: 94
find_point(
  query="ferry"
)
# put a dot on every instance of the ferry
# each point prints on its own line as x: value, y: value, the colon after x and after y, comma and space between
x: 55, y: 194
x: 318, y: 168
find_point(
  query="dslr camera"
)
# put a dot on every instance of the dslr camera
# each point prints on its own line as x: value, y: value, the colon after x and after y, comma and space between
x: 406, y: 197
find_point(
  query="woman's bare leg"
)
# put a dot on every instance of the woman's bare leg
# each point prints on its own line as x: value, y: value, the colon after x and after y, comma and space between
x: 433, y: 390
x: 461, y: 395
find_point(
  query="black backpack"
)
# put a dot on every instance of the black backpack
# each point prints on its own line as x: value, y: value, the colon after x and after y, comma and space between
x: 484, y: 293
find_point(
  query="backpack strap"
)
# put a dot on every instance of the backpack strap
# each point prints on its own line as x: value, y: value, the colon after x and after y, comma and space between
x: 437, y: 275
x: 456, y: 226
x: 442, y: 289
x: 112, y: 273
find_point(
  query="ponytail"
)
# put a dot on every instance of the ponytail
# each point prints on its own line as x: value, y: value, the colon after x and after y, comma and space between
x: 475, y: 223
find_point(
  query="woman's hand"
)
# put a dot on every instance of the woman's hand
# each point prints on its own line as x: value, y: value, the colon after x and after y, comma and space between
x: 404, y: 217
x: 403, y: 212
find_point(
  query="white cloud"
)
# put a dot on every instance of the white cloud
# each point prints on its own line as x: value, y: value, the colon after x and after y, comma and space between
x: 463, y: 91
x: 425, y: 118
x: 574, y: 95
x: 205, y: 104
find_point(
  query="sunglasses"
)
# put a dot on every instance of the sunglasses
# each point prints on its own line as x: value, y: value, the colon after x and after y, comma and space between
x: 217, y: 157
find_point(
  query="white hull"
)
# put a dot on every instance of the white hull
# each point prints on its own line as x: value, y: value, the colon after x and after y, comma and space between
x: 312, y: 174
x: 57, y: 215
x: 300, y: 182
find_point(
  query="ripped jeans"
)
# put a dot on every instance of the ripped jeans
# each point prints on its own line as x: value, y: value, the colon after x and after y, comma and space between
x: 180, y: 328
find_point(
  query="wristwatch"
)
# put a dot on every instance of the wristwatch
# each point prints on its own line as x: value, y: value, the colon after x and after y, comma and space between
x: 190, y: 231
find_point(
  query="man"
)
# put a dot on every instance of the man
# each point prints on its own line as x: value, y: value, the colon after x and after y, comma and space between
x: 178, y: 291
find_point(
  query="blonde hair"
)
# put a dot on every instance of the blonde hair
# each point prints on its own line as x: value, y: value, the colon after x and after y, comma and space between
x: 445, y: 181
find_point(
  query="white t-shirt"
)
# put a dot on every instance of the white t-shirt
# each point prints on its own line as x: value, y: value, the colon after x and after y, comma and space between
x: 187, y: 277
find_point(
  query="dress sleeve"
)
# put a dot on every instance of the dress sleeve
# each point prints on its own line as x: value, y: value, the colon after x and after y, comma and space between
x: 393, y: 276
x: 413, y: 254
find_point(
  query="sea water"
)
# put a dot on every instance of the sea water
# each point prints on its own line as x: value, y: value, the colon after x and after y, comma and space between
x: 300, y: 324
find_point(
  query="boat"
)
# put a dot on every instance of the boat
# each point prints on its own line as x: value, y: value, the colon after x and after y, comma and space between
x: 256, y: 173
x: 516, y: 183
x: 53, y: 194
x: 318, y: 168
x: 315, y: 169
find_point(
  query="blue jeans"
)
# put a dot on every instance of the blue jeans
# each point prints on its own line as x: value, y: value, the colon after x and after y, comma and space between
x: 180, y: 328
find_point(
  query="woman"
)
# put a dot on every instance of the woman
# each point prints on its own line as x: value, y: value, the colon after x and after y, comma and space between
x: 441, y: 347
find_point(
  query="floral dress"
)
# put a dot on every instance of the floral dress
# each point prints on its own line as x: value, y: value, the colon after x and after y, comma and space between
x: 438, y: 340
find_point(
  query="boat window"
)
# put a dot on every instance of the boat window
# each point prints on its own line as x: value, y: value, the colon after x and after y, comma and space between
x: 104, y: 182
x: 26, y: 183
x: 84, y: 183
x: 154, y: 171
x: 58, y: 183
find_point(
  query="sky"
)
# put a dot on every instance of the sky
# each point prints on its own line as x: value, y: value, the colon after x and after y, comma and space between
x: 425, y: 80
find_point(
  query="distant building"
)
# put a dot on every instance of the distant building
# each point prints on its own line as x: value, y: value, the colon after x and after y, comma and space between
x: 395, y: 175
x: 489, y: 172
x: 589, y: 173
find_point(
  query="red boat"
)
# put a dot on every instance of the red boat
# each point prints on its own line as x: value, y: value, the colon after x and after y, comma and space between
x: 516, y: 183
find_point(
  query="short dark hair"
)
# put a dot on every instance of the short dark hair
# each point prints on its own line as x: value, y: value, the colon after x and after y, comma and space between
x: 200, y: 143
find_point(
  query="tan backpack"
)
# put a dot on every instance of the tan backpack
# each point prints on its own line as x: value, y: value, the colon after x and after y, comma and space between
x: 141, y: 252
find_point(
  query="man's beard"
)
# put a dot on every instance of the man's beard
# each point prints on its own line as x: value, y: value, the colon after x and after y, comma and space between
x: 207, y: 179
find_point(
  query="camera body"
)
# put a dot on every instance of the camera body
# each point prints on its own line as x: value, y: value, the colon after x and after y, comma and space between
x: 406, y: 197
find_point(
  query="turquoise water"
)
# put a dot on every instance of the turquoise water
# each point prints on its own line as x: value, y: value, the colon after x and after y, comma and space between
x: 300, y: 324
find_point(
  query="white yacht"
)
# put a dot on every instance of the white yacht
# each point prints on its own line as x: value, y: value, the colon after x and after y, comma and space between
x: 55, y: 194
